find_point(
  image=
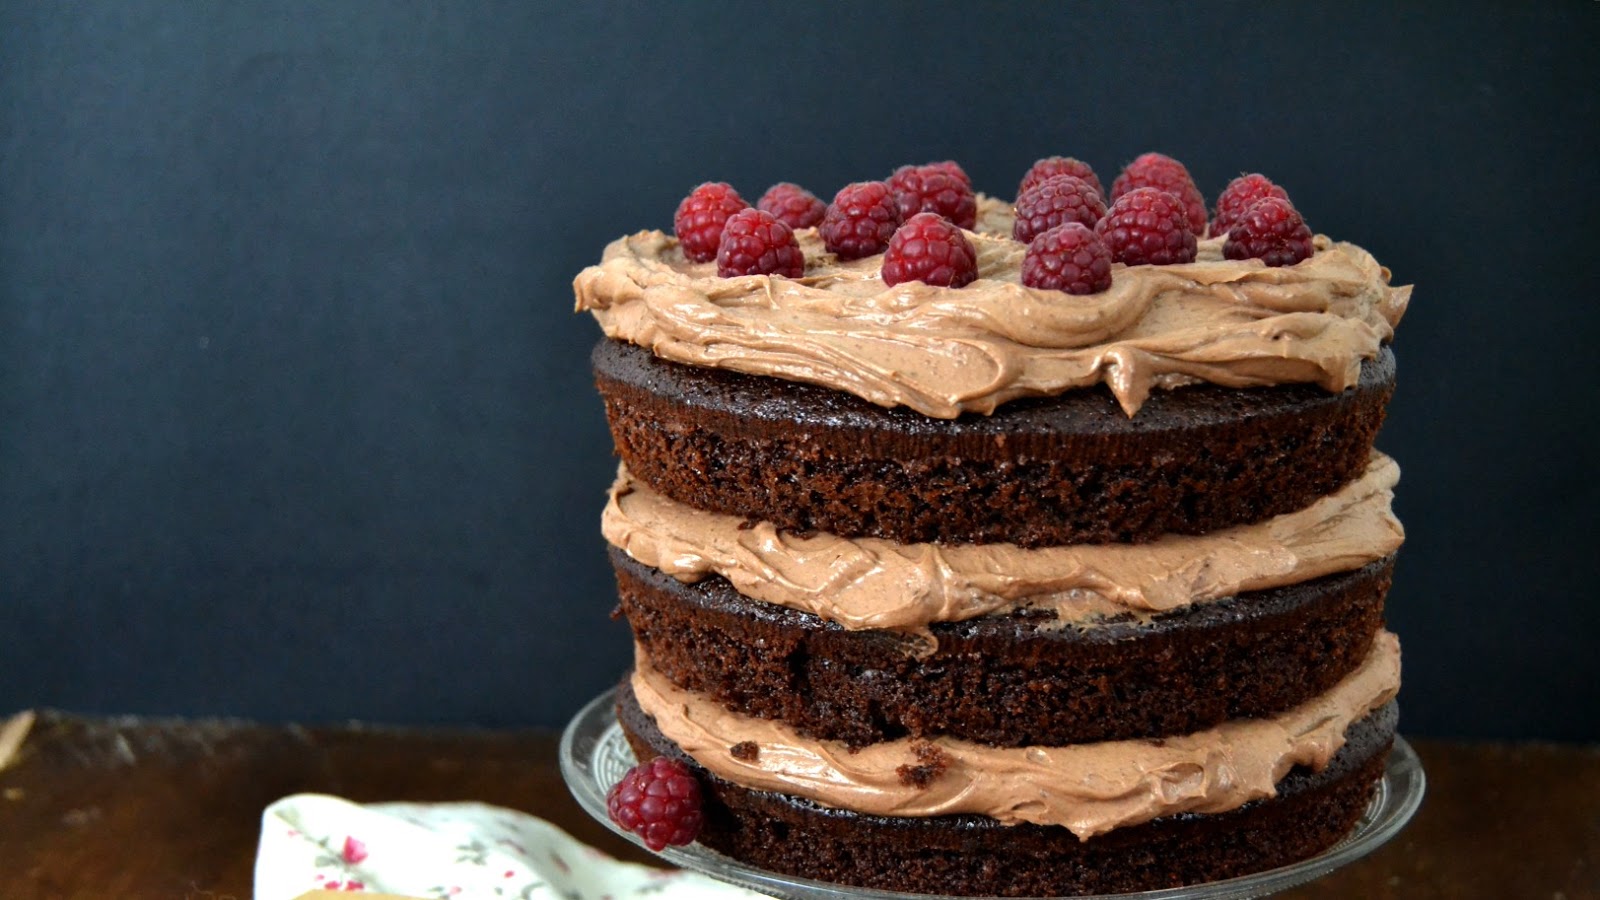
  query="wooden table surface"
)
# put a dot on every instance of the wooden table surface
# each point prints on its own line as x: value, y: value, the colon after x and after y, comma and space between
x: 140, y: 809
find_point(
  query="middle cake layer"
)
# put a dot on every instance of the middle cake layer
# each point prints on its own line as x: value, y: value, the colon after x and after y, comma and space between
x: 1010, y: 680
x: 864, y: 640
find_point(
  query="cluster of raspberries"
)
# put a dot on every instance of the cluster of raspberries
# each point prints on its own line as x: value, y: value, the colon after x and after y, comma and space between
x: 916, y: 217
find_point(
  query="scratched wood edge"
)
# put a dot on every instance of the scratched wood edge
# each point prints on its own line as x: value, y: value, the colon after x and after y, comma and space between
x: 12, y: 734
x: 118, y: 742
x: 126, y: 741
x: 95, y: 725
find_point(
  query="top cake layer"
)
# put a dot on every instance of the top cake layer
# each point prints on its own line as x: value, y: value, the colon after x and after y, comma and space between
x: 944, y: 352
x: 1037, y: 473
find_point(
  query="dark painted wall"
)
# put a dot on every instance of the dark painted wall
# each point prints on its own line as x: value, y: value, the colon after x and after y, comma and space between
x: 295, y: 421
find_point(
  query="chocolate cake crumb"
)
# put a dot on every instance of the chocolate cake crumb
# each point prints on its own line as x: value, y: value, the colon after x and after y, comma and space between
x: 955, y: 855
x: 745, y: 750
x: 1073, y: 469
x: 934, y: 764
x: 1005, y: 681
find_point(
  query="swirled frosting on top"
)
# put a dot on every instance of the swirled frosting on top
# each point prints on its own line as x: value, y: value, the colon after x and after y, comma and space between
x: 871, y: 583
x: 944, y: 352
x: 1087, y: 788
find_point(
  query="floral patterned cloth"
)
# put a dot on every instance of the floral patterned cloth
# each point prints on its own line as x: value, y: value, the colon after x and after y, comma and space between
x: 448, y: 850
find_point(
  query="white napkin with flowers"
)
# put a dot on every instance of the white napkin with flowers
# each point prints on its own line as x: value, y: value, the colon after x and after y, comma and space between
x: 449, y: 851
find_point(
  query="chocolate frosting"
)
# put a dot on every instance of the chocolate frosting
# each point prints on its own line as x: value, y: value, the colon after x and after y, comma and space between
x: 864, y: 583
x: 1087, y: 788
x: 944, y: 351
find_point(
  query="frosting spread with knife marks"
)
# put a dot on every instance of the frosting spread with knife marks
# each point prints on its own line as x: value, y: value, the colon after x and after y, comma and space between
x: 872, y: 583
x: 944, y: 352
x: 1087, y: 788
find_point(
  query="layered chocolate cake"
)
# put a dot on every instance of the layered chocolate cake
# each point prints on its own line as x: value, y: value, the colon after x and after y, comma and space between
x: 957, y: 567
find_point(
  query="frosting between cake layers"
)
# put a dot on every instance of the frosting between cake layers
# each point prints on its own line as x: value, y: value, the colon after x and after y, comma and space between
x: 1087, y: 788
x: 863, y: 583
x: 943, y: 351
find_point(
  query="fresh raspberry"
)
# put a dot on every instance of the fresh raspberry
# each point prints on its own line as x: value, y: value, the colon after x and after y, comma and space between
x: 934, y: 188
x: 954, y: 168
x: 1159, y: 171
x: 794, y: 206
x: 659, y: 801
x: 1147, y: 225
x: 1051, y: 166
x: 930, y: 249
x: 1238, y: 196
x: 1064, y: 198
x: 700, y: 217
x: 1271, y: 231
x: 1068, y: 257
x: 860, y: 220
x: 754, y: 242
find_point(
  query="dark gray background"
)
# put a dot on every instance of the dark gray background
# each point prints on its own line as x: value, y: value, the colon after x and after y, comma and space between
x: 296, y: 422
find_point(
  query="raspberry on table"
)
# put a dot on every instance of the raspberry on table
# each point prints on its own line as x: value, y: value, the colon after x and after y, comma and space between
x: 929, y: 248
x: 755, y: 242
x: 659, y: 801
x: 1161, y: 171
x: 700, y: 217
x: 1272, y: 231
x: 860, y: 220
x: 934, y: 188
x: 1063, y: 198
x: 1068, y: 257
x: 1240, y: 194
x: 1147, y: 226
x: 1051, y: 166
x: 793, y: 205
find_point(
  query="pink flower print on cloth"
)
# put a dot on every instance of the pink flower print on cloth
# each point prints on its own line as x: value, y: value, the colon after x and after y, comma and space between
x: 457, y: 850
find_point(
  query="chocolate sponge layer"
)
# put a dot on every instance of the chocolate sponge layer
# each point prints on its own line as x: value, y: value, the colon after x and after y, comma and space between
x: 1038, y: 472
x: 976, y: 855
x: 1008, y: 680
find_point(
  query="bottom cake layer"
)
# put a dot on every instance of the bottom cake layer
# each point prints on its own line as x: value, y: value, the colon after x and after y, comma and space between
x: 976, y: 855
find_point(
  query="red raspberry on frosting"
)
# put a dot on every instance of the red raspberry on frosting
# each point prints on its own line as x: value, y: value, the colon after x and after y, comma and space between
x: 1147, y: 226
x: 659, y: 801
x: 700, y: 217
x: 934, y: 188
x: 1051, y: 166
x: 1271, y: 231
x: 754, y: 242
x: 1240, y: 194
x: 793, y: 205
x: 1068, y: 257
x: 930, y: 249
x: 1160, y: 171
x: 1064, y: 198
x: 860, y: 220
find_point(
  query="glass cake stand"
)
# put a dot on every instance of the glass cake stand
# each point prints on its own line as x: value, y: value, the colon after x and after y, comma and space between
x: 594, y: 756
